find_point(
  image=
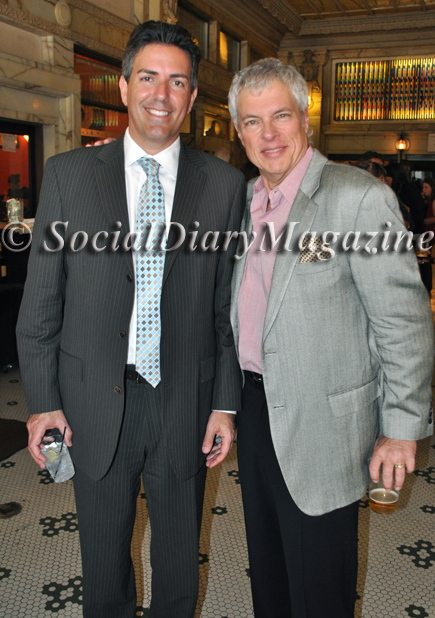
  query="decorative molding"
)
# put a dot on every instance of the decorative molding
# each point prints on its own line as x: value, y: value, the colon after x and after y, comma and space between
x: 27, y: 19
x: 283, y: 13
x: 102, y: 14
x: 35, y: 23
x: 62, y: 12
x: 377, y: 23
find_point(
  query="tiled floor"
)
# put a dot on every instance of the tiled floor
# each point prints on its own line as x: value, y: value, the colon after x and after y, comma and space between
x: 40, y: 571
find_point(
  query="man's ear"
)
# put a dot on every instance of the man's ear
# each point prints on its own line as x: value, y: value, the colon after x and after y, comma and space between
x: 123, y: 89
x: 238, y: 133
x: 192, y: 98
x: 306, y: 120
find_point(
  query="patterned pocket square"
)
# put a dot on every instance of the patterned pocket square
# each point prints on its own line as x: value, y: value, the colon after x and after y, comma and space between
x: 315, y: 250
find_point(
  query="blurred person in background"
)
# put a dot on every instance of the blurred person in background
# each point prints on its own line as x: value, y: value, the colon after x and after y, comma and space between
x: 378, y: 171
x: 371, y: 155
x: 18, y: 192
x: 372, y: 167
x: 413, y: 200
x: 408, y: 193
x: 223, y: 153
x: 428, y: 193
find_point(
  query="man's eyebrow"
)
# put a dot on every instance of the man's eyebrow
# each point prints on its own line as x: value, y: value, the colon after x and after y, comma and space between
x: 147, y: 71
x: 249, y: 116
x: 277, y: 111
x: 179, y: 75
x: 150, y: 72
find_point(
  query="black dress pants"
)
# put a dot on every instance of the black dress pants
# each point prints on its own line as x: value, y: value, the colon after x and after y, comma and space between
x: 301, y: 566
x: 106, y: 513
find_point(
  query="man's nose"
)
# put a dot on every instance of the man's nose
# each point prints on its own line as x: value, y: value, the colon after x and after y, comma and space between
x: 269, y: 131
x: 162, y: 91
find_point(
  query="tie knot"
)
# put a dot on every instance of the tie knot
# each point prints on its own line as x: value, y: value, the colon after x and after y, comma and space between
x: 150, y: 166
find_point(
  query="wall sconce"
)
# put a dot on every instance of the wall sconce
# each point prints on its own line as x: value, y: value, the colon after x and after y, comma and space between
x: 402, y: 143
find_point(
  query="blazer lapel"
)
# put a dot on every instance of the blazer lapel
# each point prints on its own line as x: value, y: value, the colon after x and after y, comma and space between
x: 303, y: 211
x: 188, y: 191
x: 239, y: 265
x: 110, y: 178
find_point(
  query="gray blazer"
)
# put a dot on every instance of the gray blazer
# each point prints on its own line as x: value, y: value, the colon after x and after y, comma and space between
x: 347, y: 350
x: 75, y: 315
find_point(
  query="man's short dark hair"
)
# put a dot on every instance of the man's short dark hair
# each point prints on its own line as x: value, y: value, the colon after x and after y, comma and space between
x: 161, y: 32
x: 371, y: 154
x: 373, y: 168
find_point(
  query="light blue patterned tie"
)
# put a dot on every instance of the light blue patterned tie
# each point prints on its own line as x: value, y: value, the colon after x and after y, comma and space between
x: 149, y: 273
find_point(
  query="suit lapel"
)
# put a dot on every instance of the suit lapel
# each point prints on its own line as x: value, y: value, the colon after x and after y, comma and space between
x: 239, y: 265
x: 110, y: 179
x: 188, y: 191
x: 303, y: 211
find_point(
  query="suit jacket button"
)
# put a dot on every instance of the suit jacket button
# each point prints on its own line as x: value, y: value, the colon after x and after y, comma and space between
x: 129, y: 278
x: 122, y: 334
x: 118, y: 390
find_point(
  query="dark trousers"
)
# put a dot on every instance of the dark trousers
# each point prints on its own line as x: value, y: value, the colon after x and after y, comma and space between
x: 301, y: 566
x: 106, y: 513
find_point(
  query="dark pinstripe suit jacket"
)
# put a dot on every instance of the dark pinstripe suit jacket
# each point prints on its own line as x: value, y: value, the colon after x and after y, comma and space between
x: 77, y: 306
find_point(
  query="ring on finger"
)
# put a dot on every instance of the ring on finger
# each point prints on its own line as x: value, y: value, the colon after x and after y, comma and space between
x: 402, y: 465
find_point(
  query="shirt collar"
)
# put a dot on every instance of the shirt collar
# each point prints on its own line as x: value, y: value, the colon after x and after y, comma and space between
x: 167, y: 158
x: 291, y: 183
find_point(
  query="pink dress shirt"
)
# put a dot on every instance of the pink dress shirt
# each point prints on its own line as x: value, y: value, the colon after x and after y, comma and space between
x: 254, y: 291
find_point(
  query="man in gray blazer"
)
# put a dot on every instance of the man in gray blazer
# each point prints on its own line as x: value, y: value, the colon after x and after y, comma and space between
x: 335, y: 340
x: 80, y: 340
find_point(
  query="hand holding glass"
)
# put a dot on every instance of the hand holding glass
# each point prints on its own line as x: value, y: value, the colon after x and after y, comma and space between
x: 382, y: 500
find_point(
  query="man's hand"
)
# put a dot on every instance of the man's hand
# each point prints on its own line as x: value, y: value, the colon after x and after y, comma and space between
x: 38, y: 424
x: 390, y: 453
x: 223, y: 425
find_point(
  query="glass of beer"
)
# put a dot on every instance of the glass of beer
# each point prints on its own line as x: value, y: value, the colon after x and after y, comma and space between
x: 382, y: 500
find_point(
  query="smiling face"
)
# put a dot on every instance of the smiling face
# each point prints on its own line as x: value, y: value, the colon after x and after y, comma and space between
x: 272, y: 131
x: 158, y: 96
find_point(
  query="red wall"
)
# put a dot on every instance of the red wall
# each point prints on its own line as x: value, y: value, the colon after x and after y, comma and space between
x: 14, y: 163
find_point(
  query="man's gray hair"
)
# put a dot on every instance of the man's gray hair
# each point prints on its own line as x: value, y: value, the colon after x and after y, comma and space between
x: 259, y: 75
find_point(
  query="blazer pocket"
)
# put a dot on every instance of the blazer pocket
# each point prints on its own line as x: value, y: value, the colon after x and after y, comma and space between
x: 208, y: 368
x: 356, y: 399
x: 312, y: 268
x: 70, y: 367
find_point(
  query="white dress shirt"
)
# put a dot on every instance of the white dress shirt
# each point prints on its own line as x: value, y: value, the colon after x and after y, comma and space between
x: 134, y: 179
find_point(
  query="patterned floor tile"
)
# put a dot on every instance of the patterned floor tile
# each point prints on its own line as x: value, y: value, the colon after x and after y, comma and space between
x: 40, y: 567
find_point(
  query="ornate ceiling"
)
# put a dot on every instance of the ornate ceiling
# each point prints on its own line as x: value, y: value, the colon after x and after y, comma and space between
x: 308, y: 17
x: 327, y: 9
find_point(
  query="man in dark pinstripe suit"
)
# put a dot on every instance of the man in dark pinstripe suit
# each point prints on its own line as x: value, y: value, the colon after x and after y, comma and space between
x: 77, y: 328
